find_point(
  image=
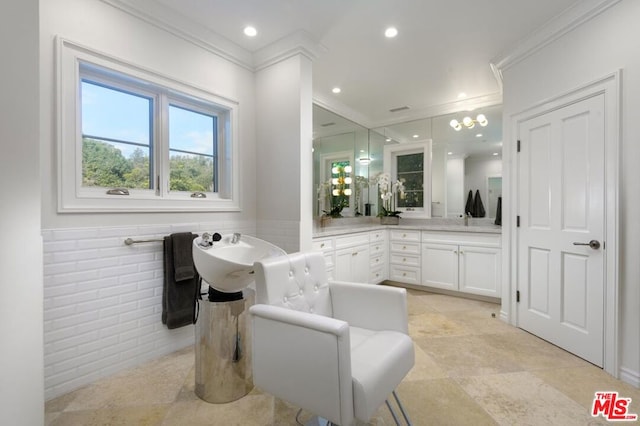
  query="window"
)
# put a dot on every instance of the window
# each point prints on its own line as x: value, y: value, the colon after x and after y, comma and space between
x: 411, y: 163
x: 132, y: 140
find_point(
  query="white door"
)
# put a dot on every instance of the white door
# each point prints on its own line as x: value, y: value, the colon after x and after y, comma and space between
x: 561, y: 203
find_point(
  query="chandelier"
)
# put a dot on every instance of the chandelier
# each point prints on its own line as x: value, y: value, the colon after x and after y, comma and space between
x: 469, y: 122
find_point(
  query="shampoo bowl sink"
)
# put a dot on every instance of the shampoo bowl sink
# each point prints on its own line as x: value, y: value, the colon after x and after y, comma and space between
x: 227, y: 266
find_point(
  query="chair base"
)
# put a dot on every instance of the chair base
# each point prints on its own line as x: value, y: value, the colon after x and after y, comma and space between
x: 393, y: 413
x: 318, y: 421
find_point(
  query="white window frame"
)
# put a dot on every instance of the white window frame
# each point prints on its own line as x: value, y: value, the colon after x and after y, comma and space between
x: 74, y: 60
x: 391, y: 152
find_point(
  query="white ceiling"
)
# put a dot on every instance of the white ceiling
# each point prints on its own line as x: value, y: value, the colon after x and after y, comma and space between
x: 444, y: 47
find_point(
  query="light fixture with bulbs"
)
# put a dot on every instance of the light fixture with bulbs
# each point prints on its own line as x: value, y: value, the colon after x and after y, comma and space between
x: 469, y: 122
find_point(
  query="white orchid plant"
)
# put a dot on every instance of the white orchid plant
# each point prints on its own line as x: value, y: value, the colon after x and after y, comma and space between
x: 389, y: 192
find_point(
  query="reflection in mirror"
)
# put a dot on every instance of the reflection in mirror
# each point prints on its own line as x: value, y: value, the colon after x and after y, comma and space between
x: 463, y: 160
x: 343, y: 160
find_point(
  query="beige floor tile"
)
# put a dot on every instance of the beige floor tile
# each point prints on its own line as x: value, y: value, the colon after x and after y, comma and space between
x: 440, y: 402
x: 251, y: 410
x: 480, y: 321
x: 425, y: 367
x: 467, y: 356
x: 531, y: 352
x: 581, y: 384
x: 523, y: 399
x: 435, y: 324
x: 444, y: 303
x: 116, y: 416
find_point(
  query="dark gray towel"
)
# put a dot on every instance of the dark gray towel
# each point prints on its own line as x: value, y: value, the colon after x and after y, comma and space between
x: 182, y: 256
x: 499, y: 212
x: 468, y: 208
x: 478, y: 208
x: 178, y: 299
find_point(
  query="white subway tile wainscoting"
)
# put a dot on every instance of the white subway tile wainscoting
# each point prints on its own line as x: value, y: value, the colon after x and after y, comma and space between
x: 103, y: 301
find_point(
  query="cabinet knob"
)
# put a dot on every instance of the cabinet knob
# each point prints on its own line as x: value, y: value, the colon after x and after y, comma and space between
x: 404, y: 235
x: 455, y: 252
x: 354, y: 253
x: 322, y: 245
x: 404, y: 259
x: 404, y: 274
x: 461, y: 252
x: 404, y: 247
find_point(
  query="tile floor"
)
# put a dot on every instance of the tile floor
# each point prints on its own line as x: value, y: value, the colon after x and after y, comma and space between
x: 471, y: 369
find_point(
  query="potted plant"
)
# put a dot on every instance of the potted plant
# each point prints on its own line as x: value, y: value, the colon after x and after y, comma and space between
x: 388, y: 192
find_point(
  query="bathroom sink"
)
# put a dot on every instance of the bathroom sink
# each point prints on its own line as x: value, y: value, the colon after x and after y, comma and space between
x: 228, y: 266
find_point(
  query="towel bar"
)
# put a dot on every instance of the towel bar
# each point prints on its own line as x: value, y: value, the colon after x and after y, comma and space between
x: 130, y: 241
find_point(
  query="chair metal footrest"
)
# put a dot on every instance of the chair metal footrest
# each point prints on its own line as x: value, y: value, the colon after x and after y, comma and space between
x: 393, y: 413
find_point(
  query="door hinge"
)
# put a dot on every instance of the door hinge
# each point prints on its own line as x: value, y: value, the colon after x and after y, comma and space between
x: 517, y: 296
x: 518, y: 147
x: 518, y: 221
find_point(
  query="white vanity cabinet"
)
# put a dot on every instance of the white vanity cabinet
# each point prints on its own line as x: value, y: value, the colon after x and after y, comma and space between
x: 466, y: 262
x: 352, y: 258
x: 378, y: 255
x: 404, y: 256
x: 326, y: 246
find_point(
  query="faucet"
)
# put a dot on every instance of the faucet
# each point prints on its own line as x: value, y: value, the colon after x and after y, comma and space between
x: 236, y: 238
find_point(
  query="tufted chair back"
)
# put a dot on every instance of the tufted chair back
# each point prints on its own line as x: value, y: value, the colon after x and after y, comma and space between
x: 297, y: 281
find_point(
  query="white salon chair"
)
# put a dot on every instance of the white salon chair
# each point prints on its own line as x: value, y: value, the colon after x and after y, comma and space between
x: 335, y: 349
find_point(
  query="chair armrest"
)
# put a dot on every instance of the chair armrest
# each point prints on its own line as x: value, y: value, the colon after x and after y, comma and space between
x: 304, y: 359
x: 370, y: 306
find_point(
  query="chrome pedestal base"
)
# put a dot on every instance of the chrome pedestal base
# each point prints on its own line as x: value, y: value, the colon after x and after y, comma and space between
x: 223, y: 349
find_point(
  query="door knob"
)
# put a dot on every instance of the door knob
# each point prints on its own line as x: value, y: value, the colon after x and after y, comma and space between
x: 594, y: 244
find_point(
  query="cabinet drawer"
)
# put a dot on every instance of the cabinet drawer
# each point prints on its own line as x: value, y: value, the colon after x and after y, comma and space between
x: 402, y: 247
x: 378, y: 249
x: 377, y: 261
x: 405, y: 235
x: 474, y: 238
x: 404, y: 274
x: 375, y: 236
x: 378, y: 275
x: 322, y: 244
x: 403, y: 259
x: 352, y: 240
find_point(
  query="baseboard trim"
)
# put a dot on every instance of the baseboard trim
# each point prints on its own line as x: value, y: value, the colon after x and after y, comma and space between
x: 629, y: 376
x: 427, y: 289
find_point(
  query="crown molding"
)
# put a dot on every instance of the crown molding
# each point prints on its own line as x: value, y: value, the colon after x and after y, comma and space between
x: 169, y: 20
x: 573, y: 17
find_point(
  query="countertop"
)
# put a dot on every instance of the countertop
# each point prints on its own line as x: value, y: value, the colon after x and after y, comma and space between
x: 332, y: 230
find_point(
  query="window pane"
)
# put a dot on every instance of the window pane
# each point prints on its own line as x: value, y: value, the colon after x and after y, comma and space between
x: 113, y: 114
x: 115, y: 138
x: 410, y: 170
x: 192, y: 144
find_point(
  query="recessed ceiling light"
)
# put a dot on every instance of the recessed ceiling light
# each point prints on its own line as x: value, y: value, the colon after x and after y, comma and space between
x: 336, y: 90
x: 390, y: 32
x: 479, y: 135
x: 449, y: 153
x: 387, y: 140
x: 462, y: 95
x: 495, y: 153
x: 250, y: 31
x: 416, y: 136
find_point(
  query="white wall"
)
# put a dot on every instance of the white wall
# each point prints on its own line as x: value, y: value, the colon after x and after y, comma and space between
x: 455, y: 187
x: 605, y: 44
x: 284, y: 143
x: 21, y: 365
x: 102, y: 299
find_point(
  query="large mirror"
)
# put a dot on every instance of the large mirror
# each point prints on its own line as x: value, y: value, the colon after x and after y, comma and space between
x: 466, y: 159
x: 465, y: 168
x: 344, y: 158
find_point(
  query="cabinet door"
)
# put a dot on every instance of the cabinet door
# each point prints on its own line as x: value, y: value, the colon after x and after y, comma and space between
x: 352, y: 264
x: 440, y: 265
x: 480, y: 270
